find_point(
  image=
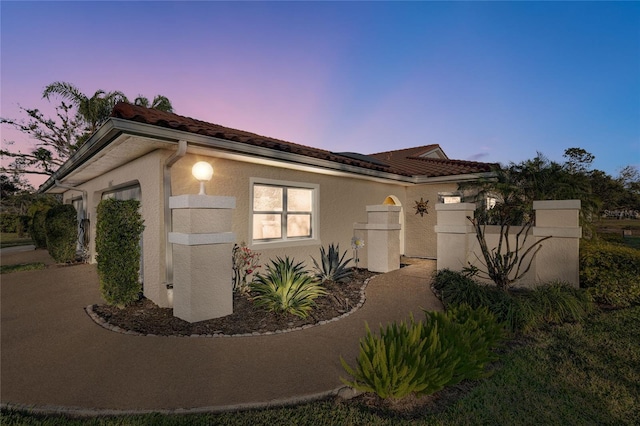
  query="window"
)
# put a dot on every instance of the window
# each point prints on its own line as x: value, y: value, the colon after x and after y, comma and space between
x: 283, y: 211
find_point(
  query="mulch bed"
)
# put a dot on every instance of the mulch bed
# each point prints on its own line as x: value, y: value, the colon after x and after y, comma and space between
x: 146, y: 317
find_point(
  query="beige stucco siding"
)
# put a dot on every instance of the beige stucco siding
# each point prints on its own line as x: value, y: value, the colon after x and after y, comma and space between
x: 420, y: 236
x: 342, y: 200
x: 147, y: 172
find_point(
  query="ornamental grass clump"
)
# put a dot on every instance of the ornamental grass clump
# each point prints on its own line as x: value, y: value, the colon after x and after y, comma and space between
x: 422, y: 358
x: 332, y: 267
x: 286, y: 288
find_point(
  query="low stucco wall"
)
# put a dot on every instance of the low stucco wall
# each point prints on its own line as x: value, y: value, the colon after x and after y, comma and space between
x: 557, y: 259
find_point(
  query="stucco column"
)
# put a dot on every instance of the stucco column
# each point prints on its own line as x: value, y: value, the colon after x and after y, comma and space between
x: 202, y: 249
x: 455, y: 234
x: 382, y: 241
x: 559, y: 257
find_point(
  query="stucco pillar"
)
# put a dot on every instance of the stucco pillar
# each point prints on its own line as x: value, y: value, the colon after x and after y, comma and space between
x: 202, y: 247
x: 454, y: 234
x: 559, y: 257
x: 382, y: 241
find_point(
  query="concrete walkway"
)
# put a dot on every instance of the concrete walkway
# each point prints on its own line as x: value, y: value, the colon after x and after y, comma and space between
x: 54, y: 357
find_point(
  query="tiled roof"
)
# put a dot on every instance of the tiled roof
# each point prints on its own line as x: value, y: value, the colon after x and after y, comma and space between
x: 403, y: 162
x: 411, y: 161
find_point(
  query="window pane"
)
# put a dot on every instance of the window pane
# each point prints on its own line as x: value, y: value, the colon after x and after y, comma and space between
x: 267, y: 198
x: 266, y: 226
x: 299, y: 200
x: 298, y: 225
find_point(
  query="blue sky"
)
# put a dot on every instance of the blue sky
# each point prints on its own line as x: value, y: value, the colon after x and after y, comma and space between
x: 488, y: 81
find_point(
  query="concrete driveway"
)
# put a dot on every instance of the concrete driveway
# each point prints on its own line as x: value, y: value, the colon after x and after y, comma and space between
x: 55, y: 358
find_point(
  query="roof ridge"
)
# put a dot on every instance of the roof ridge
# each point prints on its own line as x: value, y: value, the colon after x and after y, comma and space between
x: 431, y: 146
x: 448, y: 160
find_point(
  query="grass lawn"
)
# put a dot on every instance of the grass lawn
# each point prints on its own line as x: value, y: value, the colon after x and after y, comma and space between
x: 570, y: 375
x: 10, y: 240
x: 6, y: 269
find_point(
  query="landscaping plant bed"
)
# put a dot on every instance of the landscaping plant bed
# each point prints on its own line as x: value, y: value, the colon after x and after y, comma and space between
x: 145, y: 317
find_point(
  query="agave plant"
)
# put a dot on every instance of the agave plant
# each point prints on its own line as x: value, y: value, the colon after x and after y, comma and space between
x: 286, y: 288
x: 334, y: 267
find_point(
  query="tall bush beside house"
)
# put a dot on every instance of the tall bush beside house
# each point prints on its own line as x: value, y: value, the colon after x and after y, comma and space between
x: 61, y: 230
x: 610, y: 272
x: 119, y: 227
x: 38, y: 233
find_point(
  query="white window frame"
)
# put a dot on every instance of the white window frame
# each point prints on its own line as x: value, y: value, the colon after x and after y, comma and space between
x: 285, y: 241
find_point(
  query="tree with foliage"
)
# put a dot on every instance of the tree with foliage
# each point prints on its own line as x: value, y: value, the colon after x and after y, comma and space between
x: 77, y: 117
x: 159, y: 102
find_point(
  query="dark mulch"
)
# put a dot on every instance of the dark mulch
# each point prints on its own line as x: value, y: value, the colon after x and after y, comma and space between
x: 147, y: 318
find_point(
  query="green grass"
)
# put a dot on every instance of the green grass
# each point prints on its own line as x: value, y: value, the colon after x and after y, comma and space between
x: 618, y: 224
x: 12, y: 239
x: 7, y: 269
x: 575, y: 374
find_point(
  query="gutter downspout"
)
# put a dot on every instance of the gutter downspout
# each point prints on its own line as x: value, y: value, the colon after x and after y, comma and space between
x: 85, y: 215
x: 166, y: 181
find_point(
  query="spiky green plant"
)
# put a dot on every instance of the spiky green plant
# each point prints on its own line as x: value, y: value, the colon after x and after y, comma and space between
x: 333, y: 267
x: 286, y: 288
x: 401, y: 361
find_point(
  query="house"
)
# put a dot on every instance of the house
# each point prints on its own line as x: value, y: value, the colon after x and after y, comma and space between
x: 290, y: 199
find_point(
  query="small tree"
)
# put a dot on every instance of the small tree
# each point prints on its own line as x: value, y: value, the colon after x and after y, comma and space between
x: 61, y: 230
x: 505, y: 264
x: 119, y: 227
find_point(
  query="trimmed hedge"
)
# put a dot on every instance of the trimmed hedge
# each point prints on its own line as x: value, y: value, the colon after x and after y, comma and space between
x: 610, y: 272
x: 119, y: 227
x: 38, y: 232
x: 61, y: 230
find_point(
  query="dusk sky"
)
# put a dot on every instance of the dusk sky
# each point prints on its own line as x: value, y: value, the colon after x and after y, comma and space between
x: 488, y: 81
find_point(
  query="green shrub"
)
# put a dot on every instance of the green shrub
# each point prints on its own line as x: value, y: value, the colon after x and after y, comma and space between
x: 119, y: 227
x: 472, y: 334
x: 23, y: 225
x: 333, y: 267
x: 9, y: 222
x: 38, y: 232
x: 286, y: 288
x: 456, y: 289
x: 404, y: 359
x: 558, y: 303
x: 422, y: 358
x: 610, y: 272
x: 520, y: 310
x: 61, y: 230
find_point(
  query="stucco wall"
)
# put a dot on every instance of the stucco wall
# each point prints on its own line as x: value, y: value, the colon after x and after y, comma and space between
x: 147, y: 172
x: 342, y: 200
x: 420, y: 237
x: 557, y: 258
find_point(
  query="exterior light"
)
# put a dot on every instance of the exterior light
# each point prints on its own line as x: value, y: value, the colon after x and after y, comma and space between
x: 202, y: 171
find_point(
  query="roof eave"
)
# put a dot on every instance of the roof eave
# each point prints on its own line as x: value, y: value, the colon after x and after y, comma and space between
x: 114, y: 127
x: 453, y: 178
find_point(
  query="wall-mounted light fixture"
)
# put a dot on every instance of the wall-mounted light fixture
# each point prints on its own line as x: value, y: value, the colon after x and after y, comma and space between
x: 203, y: 172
